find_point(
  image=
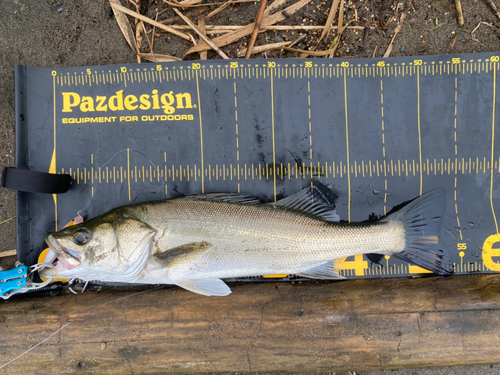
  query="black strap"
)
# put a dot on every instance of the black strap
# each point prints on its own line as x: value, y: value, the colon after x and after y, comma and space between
x: 35, y: 182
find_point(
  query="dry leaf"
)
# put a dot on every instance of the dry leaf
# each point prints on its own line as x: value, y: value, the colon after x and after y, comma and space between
x: 124, y: 25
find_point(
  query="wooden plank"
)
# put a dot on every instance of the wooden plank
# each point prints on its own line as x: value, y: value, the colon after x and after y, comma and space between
x: 308, y: 327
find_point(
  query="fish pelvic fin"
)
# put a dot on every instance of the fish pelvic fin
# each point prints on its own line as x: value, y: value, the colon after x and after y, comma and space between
x: 206, y: 287
x: 311, y: 201
x: 422, y: 219
x: 182, y: 254
x: 325, y: 271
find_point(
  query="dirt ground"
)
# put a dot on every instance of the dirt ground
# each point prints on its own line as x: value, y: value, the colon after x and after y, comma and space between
x: 64, y: 33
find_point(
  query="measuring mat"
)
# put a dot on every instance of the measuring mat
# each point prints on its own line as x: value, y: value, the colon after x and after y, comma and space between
x: 378, y: 132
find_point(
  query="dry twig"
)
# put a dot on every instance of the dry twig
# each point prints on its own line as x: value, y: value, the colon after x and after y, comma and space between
x: 493, y: 8
x: 340, y: 27
x: 219, y: 9
x: 201, y: 26
x: 154, y: 57
x: 213, y: 29
x: 189, y: 13
x: 204, y: 5
x: 396, y: 32
x: 264, y: 48
x: 258, y: 21
x: 328, y: 25
x: 460, y: 15
x: 118, y: 7
x: 229, y: 38
x: 273, y: 7
x: 208, y: 41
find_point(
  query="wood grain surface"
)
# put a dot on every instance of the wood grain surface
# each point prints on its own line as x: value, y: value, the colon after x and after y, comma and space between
x: 262, y: 327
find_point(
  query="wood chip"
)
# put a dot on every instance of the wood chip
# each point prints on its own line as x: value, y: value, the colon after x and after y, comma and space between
x: 396, y: 32
x: 208, y: 41
x: 118, y: 7
x: 264, y: 48
x: 229, y: 38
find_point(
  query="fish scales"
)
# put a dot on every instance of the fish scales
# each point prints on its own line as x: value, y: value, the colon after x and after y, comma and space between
x: 259, y: 239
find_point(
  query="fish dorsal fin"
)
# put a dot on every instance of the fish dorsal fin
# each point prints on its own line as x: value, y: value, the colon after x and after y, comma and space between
x: 312, y: 201
x: 325, y: 271
x: 182, y: 254
x: 227, y: 197
x: 206, y: 287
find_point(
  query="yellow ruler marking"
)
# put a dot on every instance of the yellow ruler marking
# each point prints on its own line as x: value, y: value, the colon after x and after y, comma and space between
x: 347, y: 149
x: 201, y: 134
x: 272, y: 124
x: 493, y: 142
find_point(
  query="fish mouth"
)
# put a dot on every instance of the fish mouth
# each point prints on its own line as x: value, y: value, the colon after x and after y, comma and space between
x: 64, y: 260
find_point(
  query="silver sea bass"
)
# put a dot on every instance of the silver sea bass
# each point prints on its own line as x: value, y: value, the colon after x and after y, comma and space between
x: 194, y: 242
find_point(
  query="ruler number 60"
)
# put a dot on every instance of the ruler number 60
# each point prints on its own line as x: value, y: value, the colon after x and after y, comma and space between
x: 495, y: 58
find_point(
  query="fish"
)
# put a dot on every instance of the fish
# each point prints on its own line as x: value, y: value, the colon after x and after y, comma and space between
x: 196, y: 241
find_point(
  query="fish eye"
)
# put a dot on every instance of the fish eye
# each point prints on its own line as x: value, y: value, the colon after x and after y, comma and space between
x: 81, y: 237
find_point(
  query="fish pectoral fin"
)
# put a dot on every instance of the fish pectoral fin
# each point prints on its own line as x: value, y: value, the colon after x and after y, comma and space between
x: 325, y: 271
x: 183, y: 253
x: 206, y: 287
x: 311, y: 201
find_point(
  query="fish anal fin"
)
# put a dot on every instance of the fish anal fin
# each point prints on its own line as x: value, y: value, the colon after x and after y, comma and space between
x: 325, y: 271
x: 206, y: 287
x: 312, y: 201
x: 183, y: 253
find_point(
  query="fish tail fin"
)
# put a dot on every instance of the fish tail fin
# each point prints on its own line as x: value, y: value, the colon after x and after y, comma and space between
x: 422, y: 219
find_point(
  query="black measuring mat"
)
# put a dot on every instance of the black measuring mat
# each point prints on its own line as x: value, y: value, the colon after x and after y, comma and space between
x: 377, y: 132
